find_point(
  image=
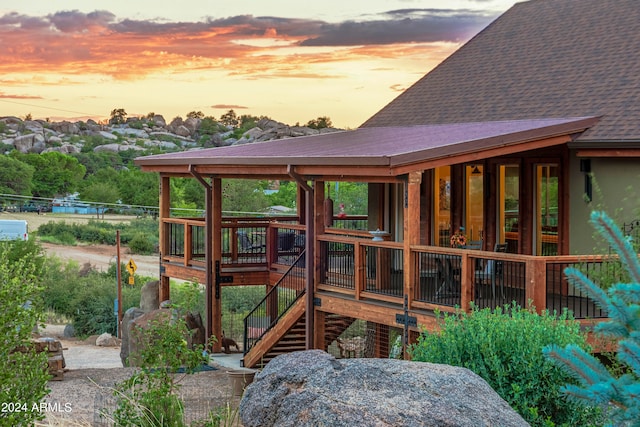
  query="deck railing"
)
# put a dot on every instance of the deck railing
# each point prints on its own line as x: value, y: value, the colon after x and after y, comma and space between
x: 442, y: 278
x: 446, y: 278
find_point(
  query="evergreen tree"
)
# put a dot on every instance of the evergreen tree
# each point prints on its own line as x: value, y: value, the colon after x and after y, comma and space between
x: 619, y: 396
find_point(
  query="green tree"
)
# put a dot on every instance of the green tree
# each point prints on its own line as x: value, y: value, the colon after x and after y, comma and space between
x: 195, y: 115
x: 103, y: 194
x: 193, y: 193
x: 320, y: 123
x: 118, y: 116
x: 54, y: 173
x: 230, y: 119
x: 139, y: 188
x: 15, y: 176
x: 618, y: 395
x: 242, y: 195
x: 209, y: 126
x: 97, y: 161
x: 285, y: 196
x: 23, y: 374
x: 354, y: 196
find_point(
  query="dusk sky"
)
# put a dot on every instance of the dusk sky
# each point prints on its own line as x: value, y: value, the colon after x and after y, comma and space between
x: 291, y: 60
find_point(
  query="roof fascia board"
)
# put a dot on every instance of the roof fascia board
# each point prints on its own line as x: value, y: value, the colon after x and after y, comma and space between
x: 611, y: 152
x: 470, y: 157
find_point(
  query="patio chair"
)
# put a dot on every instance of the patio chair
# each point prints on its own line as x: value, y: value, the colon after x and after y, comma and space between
x: 491, y: 273
x: 447, y: 279
x: 245, y: 243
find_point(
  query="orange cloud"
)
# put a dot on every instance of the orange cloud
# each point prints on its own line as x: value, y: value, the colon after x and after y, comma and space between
x: 76, y: 43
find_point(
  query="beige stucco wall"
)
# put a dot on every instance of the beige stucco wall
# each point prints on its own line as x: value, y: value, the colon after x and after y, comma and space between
x: 616, y: 190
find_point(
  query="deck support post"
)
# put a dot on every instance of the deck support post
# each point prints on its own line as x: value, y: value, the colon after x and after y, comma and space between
x: 209, y: 322
x: 310, y: 256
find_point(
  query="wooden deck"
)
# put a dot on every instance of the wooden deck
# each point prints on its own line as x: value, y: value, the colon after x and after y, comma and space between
x: 380, y: 281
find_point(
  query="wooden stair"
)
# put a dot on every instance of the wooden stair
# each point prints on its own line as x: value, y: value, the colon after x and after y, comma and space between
x: 287, y: 339
x: 335, y: 326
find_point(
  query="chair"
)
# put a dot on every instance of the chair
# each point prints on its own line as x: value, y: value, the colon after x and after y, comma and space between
x: 447, y: 279
x: 474, y: 244
x: 246, y: 245
x: 492, y: 272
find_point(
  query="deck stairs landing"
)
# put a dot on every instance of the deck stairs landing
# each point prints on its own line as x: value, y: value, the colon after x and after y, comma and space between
x: 293, y: 339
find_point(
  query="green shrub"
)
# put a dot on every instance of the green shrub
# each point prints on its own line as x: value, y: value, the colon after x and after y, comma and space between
x: 87, y: 300
x: 101, y: 232
x: 23, y: 374
x: 504, y: 347
x: 149, y: 397
x: 141, y: 244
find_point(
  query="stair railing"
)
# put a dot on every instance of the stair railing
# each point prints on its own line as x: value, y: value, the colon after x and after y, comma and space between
x: 276, y: 303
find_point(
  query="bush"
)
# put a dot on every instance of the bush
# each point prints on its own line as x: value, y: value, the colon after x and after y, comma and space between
x: 144, y: 231
x: 504, y: 347
x: 87, y: 300
x: 150, y: 397
x: 141, y: 244
x: 23, y: 374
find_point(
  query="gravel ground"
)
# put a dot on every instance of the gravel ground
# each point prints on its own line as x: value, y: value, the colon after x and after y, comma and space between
x: 92, y: 372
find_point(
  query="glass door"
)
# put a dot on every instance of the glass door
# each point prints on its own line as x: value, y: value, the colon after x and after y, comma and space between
x: 546, y: 209
x: 474, y: 205
x: 509, y: 206
x: 442, y: 206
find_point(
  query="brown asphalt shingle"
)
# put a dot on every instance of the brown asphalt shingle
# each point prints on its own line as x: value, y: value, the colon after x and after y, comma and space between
x: 542, y: 58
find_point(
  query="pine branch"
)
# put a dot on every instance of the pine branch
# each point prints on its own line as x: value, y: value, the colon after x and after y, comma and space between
x: 612, y: 233
x: 578, y: 279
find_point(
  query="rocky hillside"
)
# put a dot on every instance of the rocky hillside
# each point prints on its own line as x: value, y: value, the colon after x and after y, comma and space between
x: 39, y: 136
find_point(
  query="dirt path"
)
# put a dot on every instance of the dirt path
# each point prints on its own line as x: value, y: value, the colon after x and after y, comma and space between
x: 101, y: 256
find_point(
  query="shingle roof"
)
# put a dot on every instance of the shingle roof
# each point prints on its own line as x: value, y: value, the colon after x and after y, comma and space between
x: 542, y: 58
x: 384, y: 147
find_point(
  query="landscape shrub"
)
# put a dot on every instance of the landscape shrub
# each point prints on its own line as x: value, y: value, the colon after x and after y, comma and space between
x: 150, y: 396
x: 143, y: 230
x: 504, y: 347
x: 88, y: 300
x: 141, y: 244
x: 23, y: 374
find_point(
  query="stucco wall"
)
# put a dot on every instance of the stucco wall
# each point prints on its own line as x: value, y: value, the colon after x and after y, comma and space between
x: 616, y: 190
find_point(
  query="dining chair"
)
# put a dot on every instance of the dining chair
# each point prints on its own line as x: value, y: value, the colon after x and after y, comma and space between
x: 492, y: 273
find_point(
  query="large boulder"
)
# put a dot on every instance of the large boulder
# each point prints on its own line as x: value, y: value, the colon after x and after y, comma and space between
x: 127, y: 320
x: 150, y: 296
x: 312, y: 388
x: 136, y: 322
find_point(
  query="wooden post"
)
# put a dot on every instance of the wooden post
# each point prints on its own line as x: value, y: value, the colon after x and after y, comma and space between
x: 215, y: 241
x: 119, y: 279
x: 536, y: 282
x: 411, y: 231
x: 164, y: 212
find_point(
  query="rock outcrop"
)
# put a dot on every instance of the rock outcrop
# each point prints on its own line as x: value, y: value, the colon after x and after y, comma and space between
x: 312, y: 388
x: 39, y: 136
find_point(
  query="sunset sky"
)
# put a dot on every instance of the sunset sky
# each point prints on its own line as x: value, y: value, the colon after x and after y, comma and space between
x: 291, y: 60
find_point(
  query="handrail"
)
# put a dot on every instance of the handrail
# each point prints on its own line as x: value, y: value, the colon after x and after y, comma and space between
x: 274, y: 301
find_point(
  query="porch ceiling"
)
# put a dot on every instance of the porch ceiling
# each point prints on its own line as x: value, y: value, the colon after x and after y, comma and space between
x: 384, y: 151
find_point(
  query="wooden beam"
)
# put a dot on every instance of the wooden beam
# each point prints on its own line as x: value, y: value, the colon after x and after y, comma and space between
x: 411, y: 231
x: 372, y: 312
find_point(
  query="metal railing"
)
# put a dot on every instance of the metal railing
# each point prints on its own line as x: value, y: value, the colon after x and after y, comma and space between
x: 275, y: 304
x: 337, y: 261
